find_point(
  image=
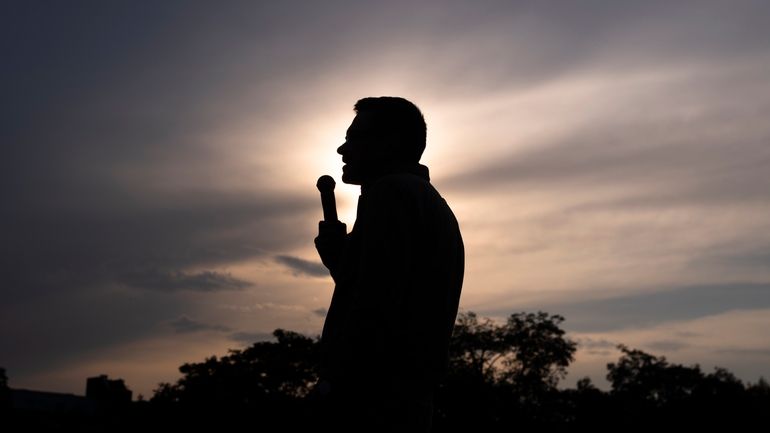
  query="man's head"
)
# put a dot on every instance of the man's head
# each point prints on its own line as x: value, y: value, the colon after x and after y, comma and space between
x: 386, y: 130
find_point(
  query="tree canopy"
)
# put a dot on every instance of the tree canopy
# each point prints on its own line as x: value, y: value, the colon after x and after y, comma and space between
x: 529, y: 351
x: 268, y: 370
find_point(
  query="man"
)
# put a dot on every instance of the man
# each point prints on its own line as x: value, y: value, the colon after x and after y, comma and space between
x: 398, y: 276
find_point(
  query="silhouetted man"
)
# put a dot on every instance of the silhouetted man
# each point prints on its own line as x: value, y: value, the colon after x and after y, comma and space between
x: 398, y: 277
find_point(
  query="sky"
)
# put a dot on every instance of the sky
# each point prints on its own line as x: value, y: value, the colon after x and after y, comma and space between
x: 607, y: 161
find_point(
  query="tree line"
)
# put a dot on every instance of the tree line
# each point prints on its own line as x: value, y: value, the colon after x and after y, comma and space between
x: 501, y: 376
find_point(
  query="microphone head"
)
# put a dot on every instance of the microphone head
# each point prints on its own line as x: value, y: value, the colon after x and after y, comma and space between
x: 325, y: 183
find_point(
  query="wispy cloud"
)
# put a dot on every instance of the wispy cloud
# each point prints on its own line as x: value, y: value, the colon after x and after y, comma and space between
x: 301, y: 266
x: 204, y: 281
x: 651, y: 307
x: 667, y: 345
x: 251, y: 337
x: 184, y: 325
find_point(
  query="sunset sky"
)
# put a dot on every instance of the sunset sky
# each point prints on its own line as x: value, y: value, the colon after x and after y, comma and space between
x: 607, y: 161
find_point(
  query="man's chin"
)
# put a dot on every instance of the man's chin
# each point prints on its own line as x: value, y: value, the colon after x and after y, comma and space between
x: 349, y: 176
x: 352, y: 180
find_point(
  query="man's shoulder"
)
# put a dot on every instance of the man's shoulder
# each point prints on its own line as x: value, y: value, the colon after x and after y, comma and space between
x: 410, y: 194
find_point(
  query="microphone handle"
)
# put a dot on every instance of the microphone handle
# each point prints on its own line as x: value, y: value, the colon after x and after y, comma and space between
x: 329, y: 204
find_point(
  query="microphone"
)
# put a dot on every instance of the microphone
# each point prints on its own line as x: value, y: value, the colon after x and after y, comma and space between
x: 326, y: 185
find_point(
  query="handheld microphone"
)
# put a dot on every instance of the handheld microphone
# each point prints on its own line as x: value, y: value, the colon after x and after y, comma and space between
x: 326, y: 186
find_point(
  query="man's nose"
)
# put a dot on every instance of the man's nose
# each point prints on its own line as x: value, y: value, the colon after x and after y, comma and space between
x: 340, y: 149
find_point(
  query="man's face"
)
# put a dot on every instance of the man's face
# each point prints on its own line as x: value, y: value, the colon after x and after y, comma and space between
x: 362, y: 151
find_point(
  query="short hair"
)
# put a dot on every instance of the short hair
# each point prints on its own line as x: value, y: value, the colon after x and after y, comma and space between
x: 398, y: 120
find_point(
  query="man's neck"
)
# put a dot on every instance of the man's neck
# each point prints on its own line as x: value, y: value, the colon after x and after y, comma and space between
x: 396, y: 167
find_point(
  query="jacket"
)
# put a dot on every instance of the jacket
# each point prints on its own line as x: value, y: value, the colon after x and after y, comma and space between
x: 398, y: 277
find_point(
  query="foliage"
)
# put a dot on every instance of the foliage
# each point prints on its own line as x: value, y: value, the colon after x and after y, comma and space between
x: 510, y: 369
x: 475, y: 348
x: 650, y: 378
x: 541, y: 353
x: 528, y: 352
x: 284, y: 369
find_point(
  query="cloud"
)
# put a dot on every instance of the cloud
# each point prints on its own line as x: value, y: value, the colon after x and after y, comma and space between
x: 263, y: 306
x: 733, y: 339
x: 205, y: 281
x: 184, y: 325
x: 667, y: 345
x: 69, y: 325
x: 320, y: 312
x: 753, y: 352
x: 251, y: 337
x: 593, y: 343
x: 648, y: 308
x: 594, y: 346
x: 303, y: 267
x: 55, y: 244
x: 660, y: 306
x: 630, y: 179
x: 680, y: 129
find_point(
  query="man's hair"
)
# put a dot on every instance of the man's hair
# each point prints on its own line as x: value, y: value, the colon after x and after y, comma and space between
x: 399, y: 121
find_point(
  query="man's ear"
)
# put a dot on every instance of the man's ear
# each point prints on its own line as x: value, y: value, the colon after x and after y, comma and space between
x: 386, y: 150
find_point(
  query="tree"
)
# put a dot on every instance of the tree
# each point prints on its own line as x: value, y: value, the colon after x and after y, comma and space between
x: 284, y: 369
x: 541, y: 353
x: 759, y: 401
x: 499, y: 373
x: 720, y: 384
x: 647, y: 390
x: 761, y: 388
x: 528, y: 352
x: 585, y: 385
x: 475, y: 348
x: 641, y: 376
x: 5, y: 392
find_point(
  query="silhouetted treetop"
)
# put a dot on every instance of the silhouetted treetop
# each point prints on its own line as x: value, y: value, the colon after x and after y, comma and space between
x: 286, y: 368
x: 528, y: 352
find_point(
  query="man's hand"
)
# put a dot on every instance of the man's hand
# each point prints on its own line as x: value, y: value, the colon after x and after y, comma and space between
x: 330, y: 244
